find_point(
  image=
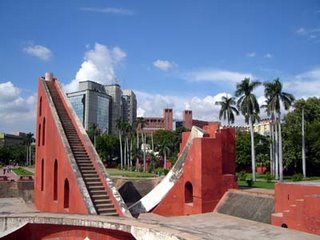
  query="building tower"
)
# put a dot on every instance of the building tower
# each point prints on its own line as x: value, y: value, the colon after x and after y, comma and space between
x: 130, y: 108
x: 187, y: 119
x: 168, y: 119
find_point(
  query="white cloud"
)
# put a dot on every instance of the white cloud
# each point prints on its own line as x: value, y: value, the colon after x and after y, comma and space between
x: 309, y: 33
x: 38, y: 51
x: 17, y: 113
x: 215, y: 75
x: 251, y: 54
x: 306, y: 84
x: 301, y: 31
x: 109, y: 10
x: 268, y: 55
x: 163, y: 65
x: 99, y: 65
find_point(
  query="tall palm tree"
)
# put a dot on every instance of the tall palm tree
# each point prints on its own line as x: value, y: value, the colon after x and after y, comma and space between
x: 141, y: 123
x: 28, y: 139
x: 275, y: 96
x: 119, y: 124
x: 248, y: 105
x: 164, y: 148
x: 227, y: 110
x: 274, y: 160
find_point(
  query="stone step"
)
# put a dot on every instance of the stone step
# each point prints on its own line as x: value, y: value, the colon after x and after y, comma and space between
x: 93, y: 192
x: 99, y: 196
x: 106, y: 210
x: 109, y: 214
x: 104, y: 205
x: 94, y: 187
x: 101, y: 201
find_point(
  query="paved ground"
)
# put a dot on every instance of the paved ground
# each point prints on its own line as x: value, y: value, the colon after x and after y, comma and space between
x: 220, y: 226
x: 15, y: 205
x: 205, y: 226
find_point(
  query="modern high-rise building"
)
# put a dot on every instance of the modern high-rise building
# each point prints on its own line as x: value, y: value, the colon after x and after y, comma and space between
x: 130, y: 109
x: 101, y: 105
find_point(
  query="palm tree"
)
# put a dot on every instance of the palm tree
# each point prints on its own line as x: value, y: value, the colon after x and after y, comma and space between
x: 248, y: 105
x: 274, y: 160
x: 140, y: 125
x: 164, y: 148
x: 227, y: 110
x: 275, y: 96
x: 28, y: 139
x: 119, y: 124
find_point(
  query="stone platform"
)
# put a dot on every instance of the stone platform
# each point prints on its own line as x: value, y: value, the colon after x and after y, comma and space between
x: 150, y: 226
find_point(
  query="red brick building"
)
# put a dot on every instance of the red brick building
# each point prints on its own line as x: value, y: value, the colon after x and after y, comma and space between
x: 166, y: 122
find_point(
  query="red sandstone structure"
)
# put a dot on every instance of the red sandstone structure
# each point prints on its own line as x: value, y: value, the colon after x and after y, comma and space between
x: 209, y: 171
x: 297, y: 206
x: 70, y: 177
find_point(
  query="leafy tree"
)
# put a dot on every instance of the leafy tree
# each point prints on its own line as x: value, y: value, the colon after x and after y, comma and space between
x: 248, y: 105
x: 292, y: 137
x: 227, y: 110
x: 107, y: 147
x: 243, y: 153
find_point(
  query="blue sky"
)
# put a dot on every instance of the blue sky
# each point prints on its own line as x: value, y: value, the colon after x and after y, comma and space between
x: 179, y: 54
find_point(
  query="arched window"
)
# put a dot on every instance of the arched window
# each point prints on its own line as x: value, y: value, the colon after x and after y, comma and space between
x: 188, y: 192
x: 55, y: 180
x: 39, y: 134
x: 42, y: 174
x: 284, y: 225
x: 40, y: 107
x: 43, y: 131
x: 66, y: 194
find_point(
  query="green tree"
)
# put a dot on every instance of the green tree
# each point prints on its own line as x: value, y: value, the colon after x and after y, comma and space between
x: 275, y: 96
x: 108, y: 147
x: 248, y: 105
x: 292, y: 136
x: 228, y: 109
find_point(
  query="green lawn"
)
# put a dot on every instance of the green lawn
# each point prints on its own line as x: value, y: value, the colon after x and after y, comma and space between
x: 257, y: 184
x: 261, y: 181
x: 22, y: 172
x: 126, y: 173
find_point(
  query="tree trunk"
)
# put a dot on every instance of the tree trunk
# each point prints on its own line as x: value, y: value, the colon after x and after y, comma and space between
x: 138, y: 147
x: 303, y: 147
x: 27, y: 156
x: 253, y: 158
x: 276, y: 148
x: 152, y: 141
x: 271, y: 150
x: 121, y: 157
x: 280, y: 151
x: 144, y: 152
x: 165, y: 160
x: 30, y: 155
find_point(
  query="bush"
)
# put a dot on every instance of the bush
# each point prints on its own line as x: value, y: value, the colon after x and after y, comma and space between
x: 242, y: 175
x: 269, y: 177
x: 159, y: 171
x: 165, y: 171
x: 249, y: 182
x: 297, y: 177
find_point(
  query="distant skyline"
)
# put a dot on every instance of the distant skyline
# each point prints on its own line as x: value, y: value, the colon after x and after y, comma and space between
x: 179, y: 54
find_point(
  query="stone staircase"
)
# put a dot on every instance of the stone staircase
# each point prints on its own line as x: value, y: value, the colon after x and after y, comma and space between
x: 98, y: 194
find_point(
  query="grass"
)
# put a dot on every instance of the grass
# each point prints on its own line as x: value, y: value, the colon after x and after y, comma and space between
x: 22, y: 172
x: 126, y: 173
x: 261, y: 181
x: 257, y: 184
